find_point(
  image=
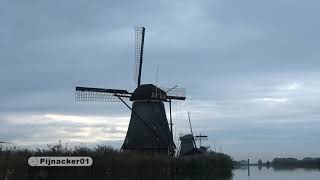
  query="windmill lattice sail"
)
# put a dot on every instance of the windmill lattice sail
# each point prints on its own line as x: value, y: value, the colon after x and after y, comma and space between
x: 175, y: 93
x: 102, y: 95
x: 139, y: 42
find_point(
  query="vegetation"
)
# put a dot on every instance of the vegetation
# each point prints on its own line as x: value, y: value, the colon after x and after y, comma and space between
x: 109, y: 163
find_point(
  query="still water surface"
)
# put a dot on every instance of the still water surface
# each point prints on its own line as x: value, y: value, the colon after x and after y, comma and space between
x: 272, y: 174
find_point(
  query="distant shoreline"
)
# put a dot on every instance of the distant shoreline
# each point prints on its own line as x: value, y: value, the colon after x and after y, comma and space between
x: 284, y: 163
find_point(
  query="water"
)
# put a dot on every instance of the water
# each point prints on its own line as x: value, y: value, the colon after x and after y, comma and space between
x: 275, y: 174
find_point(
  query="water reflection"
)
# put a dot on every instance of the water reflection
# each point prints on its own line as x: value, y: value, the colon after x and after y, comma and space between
x: 176, y: 177
x: 270, y: 173
x: 262, y: 173
x: 201, y: 178
x: 254, y: 173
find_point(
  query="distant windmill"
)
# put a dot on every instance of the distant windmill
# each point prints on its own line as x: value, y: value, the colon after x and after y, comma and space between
x: 201, y: 138
x: 3, y: 142
x: 188, y: 144
x: 148, y: 129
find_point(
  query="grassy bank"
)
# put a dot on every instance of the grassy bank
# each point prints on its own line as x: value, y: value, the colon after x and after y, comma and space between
x: 109, y: 163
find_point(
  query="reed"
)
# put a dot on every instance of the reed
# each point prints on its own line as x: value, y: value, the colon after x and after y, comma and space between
x: 110, y: 163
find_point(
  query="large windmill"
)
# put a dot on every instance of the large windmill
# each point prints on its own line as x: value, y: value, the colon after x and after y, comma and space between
x: 148, y: 129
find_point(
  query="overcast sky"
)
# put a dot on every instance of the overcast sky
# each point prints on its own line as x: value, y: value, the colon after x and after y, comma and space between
x: 251, y: 70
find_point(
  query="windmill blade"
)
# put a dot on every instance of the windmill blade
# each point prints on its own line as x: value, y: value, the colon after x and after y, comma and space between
x: 195, y: 145
x: 102, y: 95
x: 139, y: 42
x: 190, y: 123
x: 175, y: 92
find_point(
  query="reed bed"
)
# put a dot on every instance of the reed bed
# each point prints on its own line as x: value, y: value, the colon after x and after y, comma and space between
x: 110, y: 163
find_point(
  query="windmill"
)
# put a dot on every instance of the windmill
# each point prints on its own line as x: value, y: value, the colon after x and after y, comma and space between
x: 4, y: 142
x: 188, y: 144
x: 148, y: 129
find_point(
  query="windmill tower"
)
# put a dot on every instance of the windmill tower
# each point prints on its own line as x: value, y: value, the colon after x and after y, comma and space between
x: 148, y: 129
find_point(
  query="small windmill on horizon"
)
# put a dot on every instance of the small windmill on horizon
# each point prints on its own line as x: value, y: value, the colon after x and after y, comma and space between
x: 4, y: 142
x: 148, y: 129
x: 188, y: 145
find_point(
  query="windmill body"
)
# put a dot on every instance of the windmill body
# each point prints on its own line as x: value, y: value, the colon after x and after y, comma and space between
x: 187, y: 144
x: 155, y: 134
x: 148, y: 129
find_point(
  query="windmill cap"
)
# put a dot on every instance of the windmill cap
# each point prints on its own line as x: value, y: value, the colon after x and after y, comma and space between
x: 148, y: 92
x: 187, y: 137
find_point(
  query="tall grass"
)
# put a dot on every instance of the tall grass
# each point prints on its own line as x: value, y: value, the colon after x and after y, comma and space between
x: 109, y: 163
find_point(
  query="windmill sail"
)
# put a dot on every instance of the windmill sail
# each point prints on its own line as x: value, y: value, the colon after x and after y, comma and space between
x: 175, y: 93
x: 102, y: 95
x: 139, y: 38
x: 201, y: 138
x: 195, y: 145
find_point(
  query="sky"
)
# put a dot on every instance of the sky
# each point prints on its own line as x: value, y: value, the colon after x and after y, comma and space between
x: 251, y: 70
